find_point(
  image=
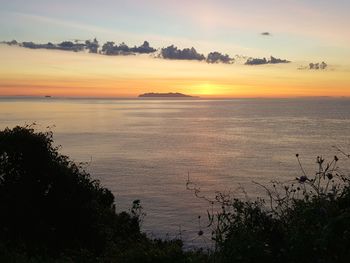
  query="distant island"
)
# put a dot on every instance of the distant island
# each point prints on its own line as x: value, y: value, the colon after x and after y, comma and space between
x: 165, y: 95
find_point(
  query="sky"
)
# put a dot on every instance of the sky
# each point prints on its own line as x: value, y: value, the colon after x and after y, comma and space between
x: 303, y: 32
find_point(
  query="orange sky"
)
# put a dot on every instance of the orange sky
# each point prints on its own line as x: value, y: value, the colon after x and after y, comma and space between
x: 60, y: 73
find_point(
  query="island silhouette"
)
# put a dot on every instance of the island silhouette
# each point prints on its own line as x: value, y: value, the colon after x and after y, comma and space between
x: 165, y: 95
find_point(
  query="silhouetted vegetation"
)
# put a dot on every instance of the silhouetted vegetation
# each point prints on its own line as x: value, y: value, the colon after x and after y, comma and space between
x: 53, y: 211
x: 307, y: 220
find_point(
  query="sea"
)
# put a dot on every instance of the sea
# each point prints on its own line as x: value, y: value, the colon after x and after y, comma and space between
x: 148, y: 149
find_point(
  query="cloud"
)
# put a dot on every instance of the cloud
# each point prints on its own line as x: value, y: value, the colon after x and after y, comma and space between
x: 274, y: 60
x: 217, y: 57
x: 110, y: 49
x: 65, y: 45
x: 318, y: 66
x: 90, y: 45
x: 66, y: 23
x: 145, y: 48
x: 266, y: 34
x: 315, y: 66
x: 263, y: 61
x: 256, y: 61
x: 68, y: 45
x: 172, y: 52
x: 11, y: 43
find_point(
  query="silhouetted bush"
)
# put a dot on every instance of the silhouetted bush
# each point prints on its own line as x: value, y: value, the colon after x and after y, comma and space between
x: 53, y: 211
x: 304, y: 221
x: 48, y: 203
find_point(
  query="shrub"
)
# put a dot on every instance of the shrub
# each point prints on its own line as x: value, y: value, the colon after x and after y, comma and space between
x: 53, y: 211
x: 48, y: 203
x: 305, y: 221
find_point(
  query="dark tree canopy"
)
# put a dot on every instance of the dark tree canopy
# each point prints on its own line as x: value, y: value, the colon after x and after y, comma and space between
x: 47, y: 202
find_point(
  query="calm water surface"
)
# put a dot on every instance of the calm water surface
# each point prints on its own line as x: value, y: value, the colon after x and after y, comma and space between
x: 144, y: 149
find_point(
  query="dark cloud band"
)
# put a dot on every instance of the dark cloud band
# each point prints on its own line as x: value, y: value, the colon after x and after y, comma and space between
x: 171, y: 52
x: 263, y: 61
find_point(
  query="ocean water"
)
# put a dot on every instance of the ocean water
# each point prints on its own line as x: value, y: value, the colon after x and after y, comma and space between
x: 146, y: 149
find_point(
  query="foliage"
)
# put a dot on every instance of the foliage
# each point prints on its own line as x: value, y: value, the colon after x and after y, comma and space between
x: 53, y: 211
x: 305, y: 221
x: 49, y: 203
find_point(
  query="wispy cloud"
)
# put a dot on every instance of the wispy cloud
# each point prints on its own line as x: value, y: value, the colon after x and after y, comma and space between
x: 289, y: 16
x: 66, y: 23
x: 203, y: 44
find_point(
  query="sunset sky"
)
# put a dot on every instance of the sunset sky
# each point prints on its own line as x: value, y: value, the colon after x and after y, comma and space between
x: 302, y: 32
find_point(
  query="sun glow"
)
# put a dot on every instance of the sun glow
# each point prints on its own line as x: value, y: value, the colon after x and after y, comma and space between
x: 206, y: 89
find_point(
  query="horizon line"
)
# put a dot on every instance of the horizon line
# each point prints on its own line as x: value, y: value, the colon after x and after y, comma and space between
x: 195, y: 97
